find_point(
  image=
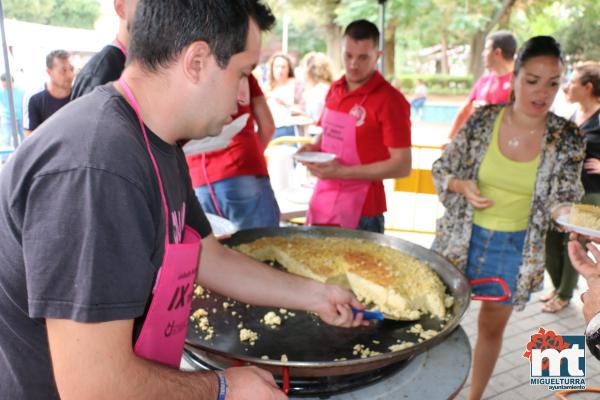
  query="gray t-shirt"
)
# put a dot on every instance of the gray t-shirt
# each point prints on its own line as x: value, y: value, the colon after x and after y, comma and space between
x: 81, y: 230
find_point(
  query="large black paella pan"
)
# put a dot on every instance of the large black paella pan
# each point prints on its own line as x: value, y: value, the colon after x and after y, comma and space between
x: 311, y: 347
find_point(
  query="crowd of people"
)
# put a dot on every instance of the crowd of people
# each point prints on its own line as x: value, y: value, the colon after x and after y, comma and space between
x: 105, y: 212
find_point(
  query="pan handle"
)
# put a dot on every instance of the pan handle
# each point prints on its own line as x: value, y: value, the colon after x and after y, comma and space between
x: 285, y: 380
x: 497, y: 280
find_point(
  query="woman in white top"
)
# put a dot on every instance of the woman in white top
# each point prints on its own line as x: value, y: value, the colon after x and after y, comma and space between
x: 281, y: 92
x: 318, y: 71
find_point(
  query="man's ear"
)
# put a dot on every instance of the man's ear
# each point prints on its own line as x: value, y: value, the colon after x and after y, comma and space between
x: 120, y: 8
x: 195, y: 60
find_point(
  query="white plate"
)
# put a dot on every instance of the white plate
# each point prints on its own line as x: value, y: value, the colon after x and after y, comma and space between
x: 219, y: 142
x: 221, y: 226
x: 561, y: 215
x: 314, y: 157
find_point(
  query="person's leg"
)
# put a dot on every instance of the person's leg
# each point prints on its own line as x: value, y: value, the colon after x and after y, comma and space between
x: 568, y: 278
x: 203, y: 195
x: 372, y: 224
x: 554, y: 258
x: 490, y: 329
x: 247, y: 201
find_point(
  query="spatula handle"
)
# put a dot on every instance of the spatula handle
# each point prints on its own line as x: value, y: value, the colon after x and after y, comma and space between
x: 369, y: 315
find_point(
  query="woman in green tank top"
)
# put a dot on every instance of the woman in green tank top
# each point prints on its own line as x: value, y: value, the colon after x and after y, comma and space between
x: 498, y: 179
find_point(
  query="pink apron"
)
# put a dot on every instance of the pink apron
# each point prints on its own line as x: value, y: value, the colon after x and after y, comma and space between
x: 165, y: 327
x: 338, y: 201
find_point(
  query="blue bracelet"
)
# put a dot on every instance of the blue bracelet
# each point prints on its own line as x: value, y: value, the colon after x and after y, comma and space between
x: 222, y: 385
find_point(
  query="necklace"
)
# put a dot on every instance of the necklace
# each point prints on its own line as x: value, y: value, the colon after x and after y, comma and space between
x: 516, y: 141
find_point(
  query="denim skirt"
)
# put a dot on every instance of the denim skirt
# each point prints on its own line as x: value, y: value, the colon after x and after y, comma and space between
x: 494, y: 254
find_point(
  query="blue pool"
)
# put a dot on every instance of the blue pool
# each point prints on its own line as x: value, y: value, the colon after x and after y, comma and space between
x: 437, y: 112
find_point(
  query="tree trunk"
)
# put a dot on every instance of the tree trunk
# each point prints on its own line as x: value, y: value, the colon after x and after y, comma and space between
x: 333, y: 40
x: 475, y: 59
x: 478, y: 41
x: 444, y: 55
x: 389, y: 48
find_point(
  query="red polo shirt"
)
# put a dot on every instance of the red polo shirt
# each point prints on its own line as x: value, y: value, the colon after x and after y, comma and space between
x: 384, y: 121
x: 242, y: 157
x: 492, y: 89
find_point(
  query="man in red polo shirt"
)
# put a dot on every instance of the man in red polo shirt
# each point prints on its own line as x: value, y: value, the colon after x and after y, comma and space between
x: 366, y: 124
x: 234, y: 182
x: 495, y: 86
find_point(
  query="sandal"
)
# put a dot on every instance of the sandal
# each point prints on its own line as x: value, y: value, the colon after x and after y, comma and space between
x: 555, y: 305
x: 547, y: 296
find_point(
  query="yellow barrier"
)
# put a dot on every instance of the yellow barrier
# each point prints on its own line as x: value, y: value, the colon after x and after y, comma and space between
x: 290, y: 140
x: 419, y: 181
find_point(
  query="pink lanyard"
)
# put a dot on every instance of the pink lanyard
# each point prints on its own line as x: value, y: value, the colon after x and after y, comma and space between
x: 210, y: 188
x: 118, y: 44
x: 136, y: 108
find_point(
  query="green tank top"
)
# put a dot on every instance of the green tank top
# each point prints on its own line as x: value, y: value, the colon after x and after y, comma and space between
x: 509, y: 183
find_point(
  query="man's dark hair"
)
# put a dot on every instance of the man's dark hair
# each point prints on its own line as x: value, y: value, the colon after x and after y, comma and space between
x: 162, y: 29
x: 62, y: 54
x: 535, y: 47
x: 506, y: 42
x: 362, y: 30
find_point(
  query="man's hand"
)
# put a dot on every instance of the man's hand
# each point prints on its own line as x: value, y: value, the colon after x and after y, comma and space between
x: 590, y: 270
x: 470, y: 190
x: 310, y: 147
x: 334, y: 304
x: 592, y: 166
x: 251, y: 383
x: 327, y: 170
x: 586, y: 266
x: 591, y: 301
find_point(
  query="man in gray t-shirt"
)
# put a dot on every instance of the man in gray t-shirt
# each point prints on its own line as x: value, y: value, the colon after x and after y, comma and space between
x: 82, y: 230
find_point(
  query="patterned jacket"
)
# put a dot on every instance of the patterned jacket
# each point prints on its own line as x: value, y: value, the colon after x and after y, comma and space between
x: 558, y: 180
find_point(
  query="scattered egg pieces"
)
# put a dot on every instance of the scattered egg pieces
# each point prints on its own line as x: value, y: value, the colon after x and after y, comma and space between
x: 200, y: 319
x: 363, y: 351
x: 400, y: 346
x: 198, y: 291
x: 423, y: 334
x: 271, y: 319
x: 246, y: 335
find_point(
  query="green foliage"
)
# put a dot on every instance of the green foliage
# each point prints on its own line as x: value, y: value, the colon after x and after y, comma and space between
x: 423, y: 23
x: 580, y: 39
x: 71, y: 13
x: 436, y: 84
x: 75, y: 13
x: 28, y: 10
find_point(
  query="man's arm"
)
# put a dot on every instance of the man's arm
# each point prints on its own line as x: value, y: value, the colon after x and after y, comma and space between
x: 463, y: 114
x: 264, y: 120
x: 397, y: 166
x: 96, y: 361
x: 589, y: 268
x: 235, y: 275
x: 34, y: 116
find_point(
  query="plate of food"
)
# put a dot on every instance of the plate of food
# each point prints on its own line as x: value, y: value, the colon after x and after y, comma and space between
x: 579, y: 218
x: 314, y: 157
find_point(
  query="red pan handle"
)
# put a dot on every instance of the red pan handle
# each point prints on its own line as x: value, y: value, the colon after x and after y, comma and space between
x: 499, y: 281
x: 286, y: 380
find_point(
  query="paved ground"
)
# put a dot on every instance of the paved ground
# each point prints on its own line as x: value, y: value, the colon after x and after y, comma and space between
x: 511, y: 376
